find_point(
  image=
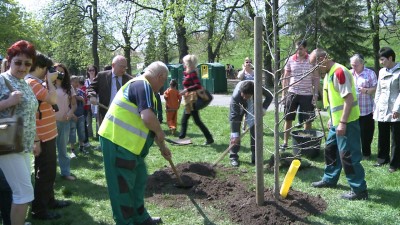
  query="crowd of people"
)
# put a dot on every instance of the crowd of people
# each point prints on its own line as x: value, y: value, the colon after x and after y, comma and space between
x: 57, y: 107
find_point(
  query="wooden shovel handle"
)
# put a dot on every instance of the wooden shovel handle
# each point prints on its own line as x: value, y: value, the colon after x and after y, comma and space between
x: 175, y: 171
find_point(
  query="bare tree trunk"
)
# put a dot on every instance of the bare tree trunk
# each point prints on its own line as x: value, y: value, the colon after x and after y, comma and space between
x: 127, y: 48
x: 269, y: 82
x: 276, y: 100
x: 373, y: 14
x: 211, y: 28
x: 95, y: 34
x: 163, y: 39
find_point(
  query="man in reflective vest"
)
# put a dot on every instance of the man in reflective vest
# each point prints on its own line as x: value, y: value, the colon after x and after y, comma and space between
x: 127, y: 132
x: 343, y: 148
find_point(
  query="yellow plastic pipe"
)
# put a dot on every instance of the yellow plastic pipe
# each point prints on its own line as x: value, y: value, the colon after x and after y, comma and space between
x: 287, y: 182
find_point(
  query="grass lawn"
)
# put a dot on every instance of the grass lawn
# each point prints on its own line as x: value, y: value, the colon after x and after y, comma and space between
x: 91, y: 204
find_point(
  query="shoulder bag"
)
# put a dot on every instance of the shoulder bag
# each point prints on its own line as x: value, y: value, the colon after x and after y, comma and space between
x: 11, y: 130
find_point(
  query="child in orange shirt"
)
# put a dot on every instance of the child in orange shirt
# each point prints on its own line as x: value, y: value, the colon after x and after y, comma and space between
x: 173, y: 101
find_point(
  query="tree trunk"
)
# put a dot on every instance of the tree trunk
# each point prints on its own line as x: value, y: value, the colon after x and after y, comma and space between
x: 373, y: 16
x: 95, y: 35
x: 269, y: 79
x: 127, y: 48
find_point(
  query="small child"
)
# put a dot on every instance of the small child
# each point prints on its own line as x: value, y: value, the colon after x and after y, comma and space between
x: 173, y: 101
x: 78, y: 122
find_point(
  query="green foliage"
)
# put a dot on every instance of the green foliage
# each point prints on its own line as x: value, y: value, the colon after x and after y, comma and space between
x: 150, y: 50
x: 336, y: 26
x: 16, y: 25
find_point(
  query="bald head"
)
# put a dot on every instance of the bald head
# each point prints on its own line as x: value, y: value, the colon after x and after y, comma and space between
x: 119, y: 65
x: 156, y: 73
x: 320, y: 57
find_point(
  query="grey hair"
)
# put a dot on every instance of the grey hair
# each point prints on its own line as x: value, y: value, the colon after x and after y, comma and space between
x: 156, y: 68
x: 190, y: 60
x: 357, y: 57
x: 319, y: 52
x: 118, y: 58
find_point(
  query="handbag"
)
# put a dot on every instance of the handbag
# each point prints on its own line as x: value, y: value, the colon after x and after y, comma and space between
x: 204, y: 98
x: 11, y: 131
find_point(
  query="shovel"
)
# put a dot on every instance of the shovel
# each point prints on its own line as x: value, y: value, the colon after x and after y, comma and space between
x: 180, y: 182
x: 228, y: 149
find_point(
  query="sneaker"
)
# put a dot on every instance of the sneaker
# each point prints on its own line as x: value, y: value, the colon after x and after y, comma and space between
x: 363, y: 195
x: 87, y: 145
x: 73, y: 155
x: 235, y: 163
x: 283, y: 147
x: 83, y: 150
x: 322, y: 184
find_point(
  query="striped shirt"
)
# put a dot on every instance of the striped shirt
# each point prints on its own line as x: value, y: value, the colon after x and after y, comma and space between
x: 191, y: 81
x: 366, y: 79
x: 297, y: 69
x: 46, y: 127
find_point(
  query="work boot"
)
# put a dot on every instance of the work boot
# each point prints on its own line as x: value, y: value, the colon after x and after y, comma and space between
x: 152, y: 221
x: 363, y: 195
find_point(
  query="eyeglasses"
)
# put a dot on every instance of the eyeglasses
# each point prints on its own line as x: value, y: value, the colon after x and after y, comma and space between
x: 19, y: 63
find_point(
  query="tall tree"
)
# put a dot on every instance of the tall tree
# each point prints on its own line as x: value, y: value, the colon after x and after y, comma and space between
x: 337, y: 26
x: 373, y: 20
x: 150, y: 50
x: 214, y: 38
x: 16, y: 24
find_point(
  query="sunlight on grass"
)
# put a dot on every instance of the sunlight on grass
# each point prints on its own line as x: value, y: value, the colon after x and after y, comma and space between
x: 91, y: 203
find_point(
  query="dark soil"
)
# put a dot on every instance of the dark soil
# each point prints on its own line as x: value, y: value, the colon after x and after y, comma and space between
x: 231, y: 195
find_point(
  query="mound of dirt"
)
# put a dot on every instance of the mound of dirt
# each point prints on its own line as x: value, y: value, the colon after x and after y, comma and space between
x: 230, y: 195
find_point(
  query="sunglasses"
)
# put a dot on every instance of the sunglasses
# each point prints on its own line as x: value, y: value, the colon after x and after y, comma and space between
x: 91, y: 70
x: 19, y: 63
x: 248, y: 62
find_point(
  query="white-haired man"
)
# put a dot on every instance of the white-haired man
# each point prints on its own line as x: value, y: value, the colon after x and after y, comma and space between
x: 128, y: 131
x: 107, y: 83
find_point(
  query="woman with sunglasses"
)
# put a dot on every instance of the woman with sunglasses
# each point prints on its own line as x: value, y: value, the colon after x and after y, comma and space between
x: 17, y: 166
x: 247, y: 72
x: 90, y: 110
x: 66, y: 103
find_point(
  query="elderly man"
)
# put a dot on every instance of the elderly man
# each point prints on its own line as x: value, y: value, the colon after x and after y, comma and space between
x: 107, y: 83
x: 128, y: 131
x: 343, y: 143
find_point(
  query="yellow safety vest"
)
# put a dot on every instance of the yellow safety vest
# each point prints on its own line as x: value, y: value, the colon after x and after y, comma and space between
x: 123, y: 124
x: 334, y: 101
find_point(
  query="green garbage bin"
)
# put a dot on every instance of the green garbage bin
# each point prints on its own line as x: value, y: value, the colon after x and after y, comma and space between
x: 213, y: 77
x: 176, y: 72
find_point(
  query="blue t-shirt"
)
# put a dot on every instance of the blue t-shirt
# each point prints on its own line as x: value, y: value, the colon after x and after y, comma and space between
x: 79, y: 104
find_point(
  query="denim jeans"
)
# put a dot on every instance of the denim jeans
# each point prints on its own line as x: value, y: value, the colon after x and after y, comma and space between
x: 63, y: 128
x: 77, y: 127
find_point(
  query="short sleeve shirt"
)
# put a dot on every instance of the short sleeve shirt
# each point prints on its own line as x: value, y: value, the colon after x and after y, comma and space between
x: 342, y: 81
x: 141, y: 94
x: 25, y: 109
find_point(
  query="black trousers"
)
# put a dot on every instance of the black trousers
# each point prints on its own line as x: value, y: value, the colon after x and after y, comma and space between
x: 197, y: 121
x: 45, y: 175
x: 367, y: 128
x: 387, y: 129
x: 5, y: 199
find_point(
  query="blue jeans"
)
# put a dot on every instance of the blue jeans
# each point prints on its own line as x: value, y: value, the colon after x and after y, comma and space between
x: 77, y: 127
x: 345, y: 151
x: 63, y: 128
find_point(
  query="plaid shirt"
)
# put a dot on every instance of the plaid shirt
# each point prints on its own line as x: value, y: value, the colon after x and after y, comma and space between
x: 366, y: 79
